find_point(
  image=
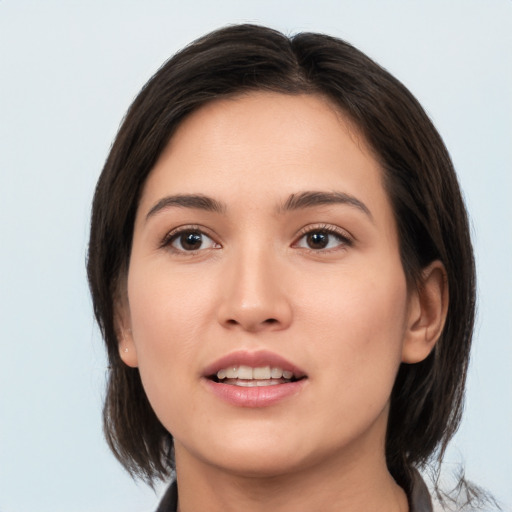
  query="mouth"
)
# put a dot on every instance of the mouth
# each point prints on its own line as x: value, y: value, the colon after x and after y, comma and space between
x: 254, y: 379
x: 259, y: 376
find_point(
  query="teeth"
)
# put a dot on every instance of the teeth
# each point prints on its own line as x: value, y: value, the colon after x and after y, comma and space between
x: 276, y: 373
x: 254, y: 383
x: 245, y: 372
x: 231, y: 373
x: 261, y: 374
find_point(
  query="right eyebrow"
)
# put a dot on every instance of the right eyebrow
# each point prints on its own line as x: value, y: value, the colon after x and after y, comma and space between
x: 310, y: 199
x: 195, y: 201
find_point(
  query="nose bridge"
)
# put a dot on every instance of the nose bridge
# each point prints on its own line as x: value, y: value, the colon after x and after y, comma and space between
x: 254, y: 295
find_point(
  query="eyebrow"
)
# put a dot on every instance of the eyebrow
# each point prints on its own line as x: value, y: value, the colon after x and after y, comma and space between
x: 294, y: 202
x: 312, y: 199
x: 196, y: 201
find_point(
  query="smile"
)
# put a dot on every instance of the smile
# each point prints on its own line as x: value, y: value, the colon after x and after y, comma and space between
x: 247, y: 376
x: 253, y: 379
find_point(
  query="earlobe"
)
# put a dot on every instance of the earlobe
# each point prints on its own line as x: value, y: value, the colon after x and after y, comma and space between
x: 126, y: 344
x: 127, y: 350
x: 427, y: 313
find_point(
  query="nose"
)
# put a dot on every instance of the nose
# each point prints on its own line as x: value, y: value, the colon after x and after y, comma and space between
x: 254, y: 296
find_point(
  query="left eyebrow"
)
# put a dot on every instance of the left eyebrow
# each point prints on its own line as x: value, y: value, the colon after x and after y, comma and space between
x: 194, y: 201
x: 311, y: 199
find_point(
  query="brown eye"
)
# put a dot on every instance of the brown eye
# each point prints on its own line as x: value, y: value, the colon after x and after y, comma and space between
x: 189, y: 240
x: 317, y: 240
x: 320, y: 239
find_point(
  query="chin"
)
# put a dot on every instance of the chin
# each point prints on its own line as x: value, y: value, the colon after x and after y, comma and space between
x: 251, y: 456
x: 266, y: 465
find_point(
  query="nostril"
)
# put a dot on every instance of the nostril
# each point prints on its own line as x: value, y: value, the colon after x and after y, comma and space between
x: 252, y: 322
x: 270, y: 321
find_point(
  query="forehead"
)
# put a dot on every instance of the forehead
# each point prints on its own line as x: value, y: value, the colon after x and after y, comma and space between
x: 263, y: 145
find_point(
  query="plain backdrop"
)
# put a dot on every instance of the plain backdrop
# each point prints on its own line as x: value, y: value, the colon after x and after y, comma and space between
x: 69, y: 70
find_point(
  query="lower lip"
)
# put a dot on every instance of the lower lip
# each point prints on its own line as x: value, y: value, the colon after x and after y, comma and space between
x: 258, y: 396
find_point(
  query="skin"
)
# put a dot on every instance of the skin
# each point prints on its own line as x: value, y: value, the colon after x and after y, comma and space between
x: 344, y: 314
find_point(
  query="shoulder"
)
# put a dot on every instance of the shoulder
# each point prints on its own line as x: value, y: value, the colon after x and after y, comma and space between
x: 169, y: 502
x: 419, y: 496
x: 456, y: 494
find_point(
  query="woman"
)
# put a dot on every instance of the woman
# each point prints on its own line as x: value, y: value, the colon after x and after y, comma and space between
x: 281, y: 268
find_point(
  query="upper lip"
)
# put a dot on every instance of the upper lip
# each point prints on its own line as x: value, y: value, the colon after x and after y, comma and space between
x: 253, y: 359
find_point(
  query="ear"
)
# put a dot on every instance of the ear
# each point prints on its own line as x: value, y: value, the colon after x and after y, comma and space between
x: 125, y: 342
x: 428, y: 306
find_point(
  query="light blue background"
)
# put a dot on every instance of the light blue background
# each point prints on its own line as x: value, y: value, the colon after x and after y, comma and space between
x: 68, y: 71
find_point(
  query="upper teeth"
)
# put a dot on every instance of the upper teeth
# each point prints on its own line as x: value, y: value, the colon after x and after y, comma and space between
x: 249, y: 373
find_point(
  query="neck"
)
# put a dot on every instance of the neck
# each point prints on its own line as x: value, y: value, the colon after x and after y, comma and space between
x: 337, y: 483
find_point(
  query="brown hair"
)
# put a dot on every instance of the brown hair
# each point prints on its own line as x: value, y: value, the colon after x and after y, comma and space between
x: 426, y: 401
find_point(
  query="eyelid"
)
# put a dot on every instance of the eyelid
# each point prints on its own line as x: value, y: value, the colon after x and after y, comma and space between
x: 347, y: 240
x: 171, y: 235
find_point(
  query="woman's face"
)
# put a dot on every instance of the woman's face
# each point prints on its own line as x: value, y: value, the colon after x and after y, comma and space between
x: 267, y: 308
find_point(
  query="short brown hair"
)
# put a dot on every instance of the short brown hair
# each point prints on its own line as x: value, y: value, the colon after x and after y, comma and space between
x: 426, y: 401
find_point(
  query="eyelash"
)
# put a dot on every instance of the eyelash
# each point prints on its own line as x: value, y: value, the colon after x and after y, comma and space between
x: 176, y: 233
x: 344, y: 239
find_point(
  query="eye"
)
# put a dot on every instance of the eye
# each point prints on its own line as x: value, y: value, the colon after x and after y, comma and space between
x: 189, y: 240
x: 324, y: 238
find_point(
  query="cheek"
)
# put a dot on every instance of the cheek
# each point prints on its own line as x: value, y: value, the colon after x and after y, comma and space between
x: 167, y: 310
x: 358, y: 307
x: 357, y: 331
x: 167, y: 318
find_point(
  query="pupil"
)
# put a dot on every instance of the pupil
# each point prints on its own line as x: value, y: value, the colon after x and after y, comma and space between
x: 318, y: 240
x: 191, y: 241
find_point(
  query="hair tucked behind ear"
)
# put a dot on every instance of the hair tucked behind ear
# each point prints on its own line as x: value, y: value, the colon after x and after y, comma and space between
x: 426, y: 402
